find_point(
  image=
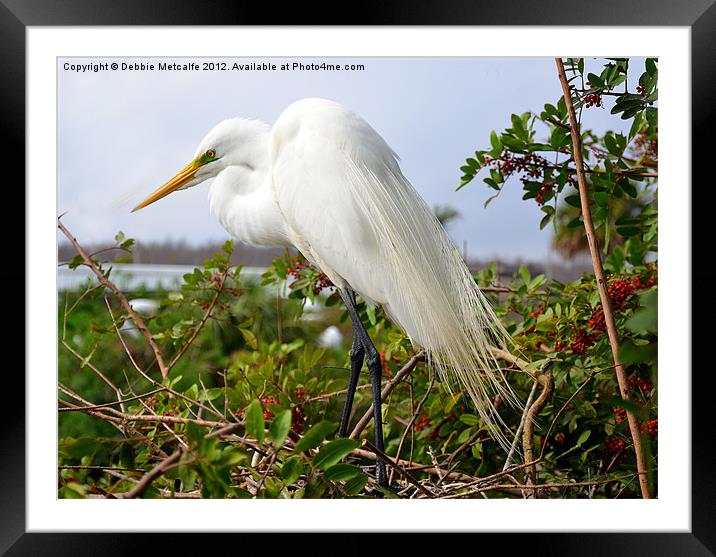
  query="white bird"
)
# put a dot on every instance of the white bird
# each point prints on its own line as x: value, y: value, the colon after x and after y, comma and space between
x: 325, y: 182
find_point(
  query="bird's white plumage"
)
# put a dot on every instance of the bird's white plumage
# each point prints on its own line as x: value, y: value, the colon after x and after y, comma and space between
x: 326, y: 182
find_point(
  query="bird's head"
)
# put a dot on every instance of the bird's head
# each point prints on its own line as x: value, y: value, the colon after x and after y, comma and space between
x: 233, y: 142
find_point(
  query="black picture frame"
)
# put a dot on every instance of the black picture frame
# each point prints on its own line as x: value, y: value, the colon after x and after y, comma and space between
x: 16, y: 15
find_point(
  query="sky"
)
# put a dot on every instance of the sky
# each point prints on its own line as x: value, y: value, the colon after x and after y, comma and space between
x: 123, y: 133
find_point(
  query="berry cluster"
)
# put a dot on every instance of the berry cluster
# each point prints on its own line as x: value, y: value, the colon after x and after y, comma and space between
x: 578, y: 342
x: 530, y: 165
x: 297, y: 414
x: 384, y: 362
x: 613, y: 446
x: 621, y: 290
x: 559, y: 438
x: 265, y: 401
x: 581, y: 340
x: 620, y: 413
x: 593, y: 99
x: 422, y: 422
x: 652, y: 427
x: 544, y: 188
x: 639, y: 382
x: 297, y: 265
x: 539, y: 311
x: 645, y: 148
x: 320, y: 282
x: 218, y: 281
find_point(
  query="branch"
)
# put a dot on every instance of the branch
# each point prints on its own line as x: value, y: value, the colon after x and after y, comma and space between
x: 601, y: 280
x: 547, y: 387
x: 138, y: 321
x: 153, y: 474
x: 518, y: 433
x: 201, y: 324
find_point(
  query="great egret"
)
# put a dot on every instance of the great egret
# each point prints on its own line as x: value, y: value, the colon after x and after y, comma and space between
x: 325, y: 182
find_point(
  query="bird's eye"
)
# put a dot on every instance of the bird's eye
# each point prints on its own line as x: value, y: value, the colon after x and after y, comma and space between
x: 211, y: 153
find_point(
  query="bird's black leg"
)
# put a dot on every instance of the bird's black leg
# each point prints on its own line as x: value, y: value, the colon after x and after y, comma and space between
x: 375, y: 366
x: 357, y: 354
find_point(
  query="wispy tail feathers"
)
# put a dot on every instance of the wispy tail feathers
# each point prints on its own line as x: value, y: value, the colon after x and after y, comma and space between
x: 434, y: 297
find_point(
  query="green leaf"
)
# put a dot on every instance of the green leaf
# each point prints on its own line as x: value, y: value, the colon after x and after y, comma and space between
x: 512, y: 144
x: 473, y: 163
x: 315, y: 436
x: 583, y: 438
x: 333, y: 452
x: 370, y: 312
x: 468, y: 419
x: 558, y: 137
x: 72, y: 490
x: 75, y: 262
x: 496, y: 144
x: 454, y: 399
x: 249, y: 338
x: 545, y: 221
x: 524, y: 274
x: 292, y: 468
x: 630, y: 353
x: 280, y: 427
x: 342, y: 472
x: 574, y: 201
x: 255, y: 421
x: 646, y: 317
x: 611, y: 145
x: 595, y: 80
x: 636, y: 125
x: 602, y: 198
x: 618, y: 80
x: 356, y: 484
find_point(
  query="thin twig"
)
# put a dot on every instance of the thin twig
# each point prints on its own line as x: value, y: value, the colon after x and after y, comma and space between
x: 388, y: 460
x: 108, y: 404
x: 138, y: 321
x: 201, y: 324
x: 415, y: 415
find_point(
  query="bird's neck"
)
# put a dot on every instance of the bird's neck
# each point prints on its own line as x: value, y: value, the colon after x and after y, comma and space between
x: 242, y: 199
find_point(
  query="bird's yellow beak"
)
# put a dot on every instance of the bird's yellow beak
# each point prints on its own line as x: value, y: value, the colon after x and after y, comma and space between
x: 181, y: 178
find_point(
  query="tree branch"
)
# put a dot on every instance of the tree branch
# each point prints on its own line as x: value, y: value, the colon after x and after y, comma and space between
x: 601, y: 279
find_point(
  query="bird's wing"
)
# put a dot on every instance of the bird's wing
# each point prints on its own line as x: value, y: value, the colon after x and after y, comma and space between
x: 321, y: 155
x: 350, y: 209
